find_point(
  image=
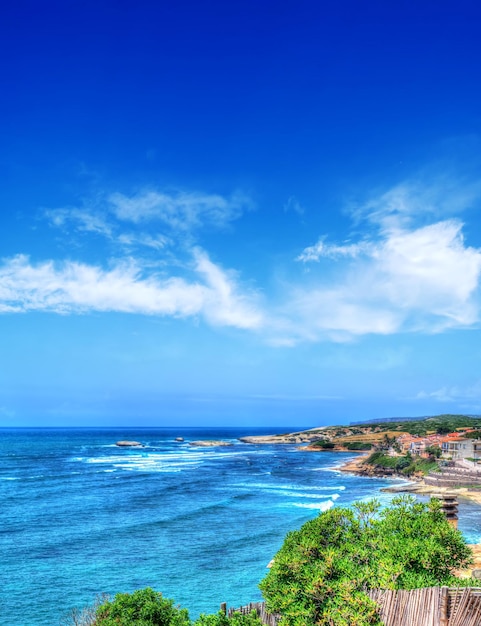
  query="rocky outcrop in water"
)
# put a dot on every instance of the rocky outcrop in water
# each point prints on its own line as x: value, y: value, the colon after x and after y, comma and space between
x: 129, y: 444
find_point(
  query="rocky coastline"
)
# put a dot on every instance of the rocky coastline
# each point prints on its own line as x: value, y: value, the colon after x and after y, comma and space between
x: 305, y: 436
x: 415, y: 485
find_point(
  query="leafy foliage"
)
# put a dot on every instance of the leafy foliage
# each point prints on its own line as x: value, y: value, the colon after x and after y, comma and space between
x: 434, y: 451
x: 219, y: 619
x: 144, y: 607
x: 358, y: 445
x: 322, y: 572
x: 406, y: 464
x: 323, y: 444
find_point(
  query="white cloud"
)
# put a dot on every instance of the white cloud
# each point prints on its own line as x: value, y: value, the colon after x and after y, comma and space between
x: 79, y: 288
x: 184, y: 211
x: 405, y: 277
x: 223, y: 305
x: 453, y: 394
x: 293, y: 204
x: 432, y: 270
x: 157, y: 242
x: 81, y: 219
x: 444, y: 394
x: 153, y: 219
x: 417, y: 200
x: 333, y: 251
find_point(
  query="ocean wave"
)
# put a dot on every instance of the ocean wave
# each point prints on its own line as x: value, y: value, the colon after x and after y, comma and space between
x: 324, y: 506
x: 303, y: 494
x: 290, y: 487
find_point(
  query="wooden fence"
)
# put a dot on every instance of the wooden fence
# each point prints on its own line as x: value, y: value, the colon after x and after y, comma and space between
x: 430, y: 606
x: 268, y: 619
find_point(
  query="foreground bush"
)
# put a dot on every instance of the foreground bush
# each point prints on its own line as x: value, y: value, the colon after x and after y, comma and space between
x: 406, y: 465
x: 322, y: 572
x: 146, y: 607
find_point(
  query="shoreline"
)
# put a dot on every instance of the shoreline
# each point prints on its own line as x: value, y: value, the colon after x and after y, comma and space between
x: 354, y: 466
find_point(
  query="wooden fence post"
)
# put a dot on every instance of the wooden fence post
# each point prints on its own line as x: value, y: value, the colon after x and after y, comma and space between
x: 443, y: 606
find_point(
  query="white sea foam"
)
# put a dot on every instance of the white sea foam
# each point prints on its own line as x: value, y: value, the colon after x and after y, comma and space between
x: 323, y: 506
x: 290, y: 487
x: 302, y: 494
x: 145, y: 462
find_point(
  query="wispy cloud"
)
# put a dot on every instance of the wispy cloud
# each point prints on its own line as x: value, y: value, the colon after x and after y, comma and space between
x: 72, y: 287
x: 157, y: 242
x: 333, y: 251
x: 80, y: 219
x: 179, y: 210
x: 419, y: 201
x: 471, y: 393
x: 169, y: 216
x: 407, y: 275
x: 293, y: 204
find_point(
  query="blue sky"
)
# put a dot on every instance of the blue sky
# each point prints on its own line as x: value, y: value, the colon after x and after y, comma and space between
x: 234, y: 213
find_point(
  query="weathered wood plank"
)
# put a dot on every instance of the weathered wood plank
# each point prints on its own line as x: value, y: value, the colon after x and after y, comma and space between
x: 430, y: 606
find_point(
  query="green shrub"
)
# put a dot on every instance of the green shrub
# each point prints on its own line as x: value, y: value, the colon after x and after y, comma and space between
x: 322, y: 572
x: 407, y: 464
x: 358, y: 445
x: 144, y: 607
x: 219, y: 619
x: 325, y: 445
x: 379, y: 459
x: 434, y: 451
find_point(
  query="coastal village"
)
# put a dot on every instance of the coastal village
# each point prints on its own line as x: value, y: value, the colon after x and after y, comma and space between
x: 437, y: 447
x: 434, y: 454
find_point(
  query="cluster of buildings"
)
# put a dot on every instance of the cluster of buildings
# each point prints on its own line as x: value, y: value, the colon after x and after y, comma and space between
x: 456, y: 445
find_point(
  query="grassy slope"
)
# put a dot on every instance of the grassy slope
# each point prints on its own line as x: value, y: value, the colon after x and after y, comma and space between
x: 375, y: 432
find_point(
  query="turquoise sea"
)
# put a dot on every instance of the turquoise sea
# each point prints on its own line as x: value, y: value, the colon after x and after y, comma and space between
x: 81, y: 516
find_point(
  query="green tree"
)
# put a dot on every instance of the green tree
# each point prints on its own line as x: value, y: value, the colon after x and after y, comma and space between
x: 434, y: 451
x: 322, y: 572
x: 144, y: 607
